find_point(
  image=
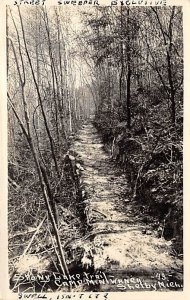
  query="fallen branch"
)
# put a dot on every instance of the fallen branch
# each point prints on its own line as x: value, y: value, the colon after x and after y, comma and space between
x: 13, y: 183
x: 28, y: 247
x: 32, y: 239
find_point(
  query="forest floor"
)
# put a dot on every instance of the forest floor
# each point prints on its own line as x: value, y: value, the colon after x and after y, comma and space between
x: 120, y: 248
x: 128, y: 251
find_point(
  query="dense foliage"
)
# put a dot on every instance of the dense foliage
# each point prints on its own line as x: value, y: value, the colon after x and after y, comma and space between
x: 138, y: 82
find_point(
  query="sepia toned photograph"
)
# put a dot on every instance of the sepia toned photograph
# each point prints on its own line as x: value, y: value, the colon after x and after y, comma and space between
x: 95, y: 148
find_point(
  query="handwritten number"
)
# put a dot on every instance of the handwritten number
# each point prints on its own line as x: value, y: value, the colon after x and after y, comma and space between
x: 161, y: 276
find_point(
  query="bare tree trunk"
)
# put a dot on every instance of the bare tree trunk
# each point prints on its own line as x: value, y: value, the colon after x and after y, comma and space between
x: 42, y: 178
x: 44, y: 190
x: 129, y: 72
x: 26, y: 115
x: 39, y: 97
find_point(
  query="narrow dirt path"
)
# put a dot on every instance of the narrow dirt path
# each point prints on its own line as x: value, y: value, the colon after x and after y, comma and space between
x: 126, y: 250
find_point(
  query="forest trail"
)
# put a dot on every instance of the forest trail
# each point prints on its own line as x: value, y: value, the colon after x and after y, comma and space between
x: 122, y: 245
